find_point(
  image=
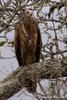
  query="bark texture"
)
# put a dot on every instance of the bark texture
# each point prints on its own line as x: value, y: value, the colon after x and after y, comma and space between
x: 29, y: 75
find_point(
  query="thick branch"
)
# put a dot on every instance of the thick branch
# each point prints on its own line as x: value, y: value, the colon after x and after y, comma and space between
x: 32, y: 73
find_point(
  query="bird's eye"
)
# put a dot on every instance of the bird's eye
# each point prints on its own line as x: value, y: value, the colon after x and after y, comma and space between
x: 23, y: 9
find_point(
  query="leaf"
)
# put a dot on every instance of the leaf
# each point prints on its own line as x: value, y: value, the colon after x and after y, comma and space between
x: 2, y: 43
x: 11, y: 43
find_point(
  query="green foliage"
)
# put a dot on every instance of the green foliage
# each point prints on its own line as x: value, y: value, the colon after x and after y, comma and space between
x: 2, y: 43
x: 11, y: 43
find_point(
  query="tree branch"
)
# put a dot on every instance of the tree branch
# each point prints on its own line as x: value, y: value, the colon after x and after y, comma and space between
x: 27, y: 75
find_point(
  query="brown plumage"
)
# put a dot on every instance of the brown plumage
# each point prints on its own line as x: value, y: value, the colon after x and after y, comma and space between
x: 27, y: 40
